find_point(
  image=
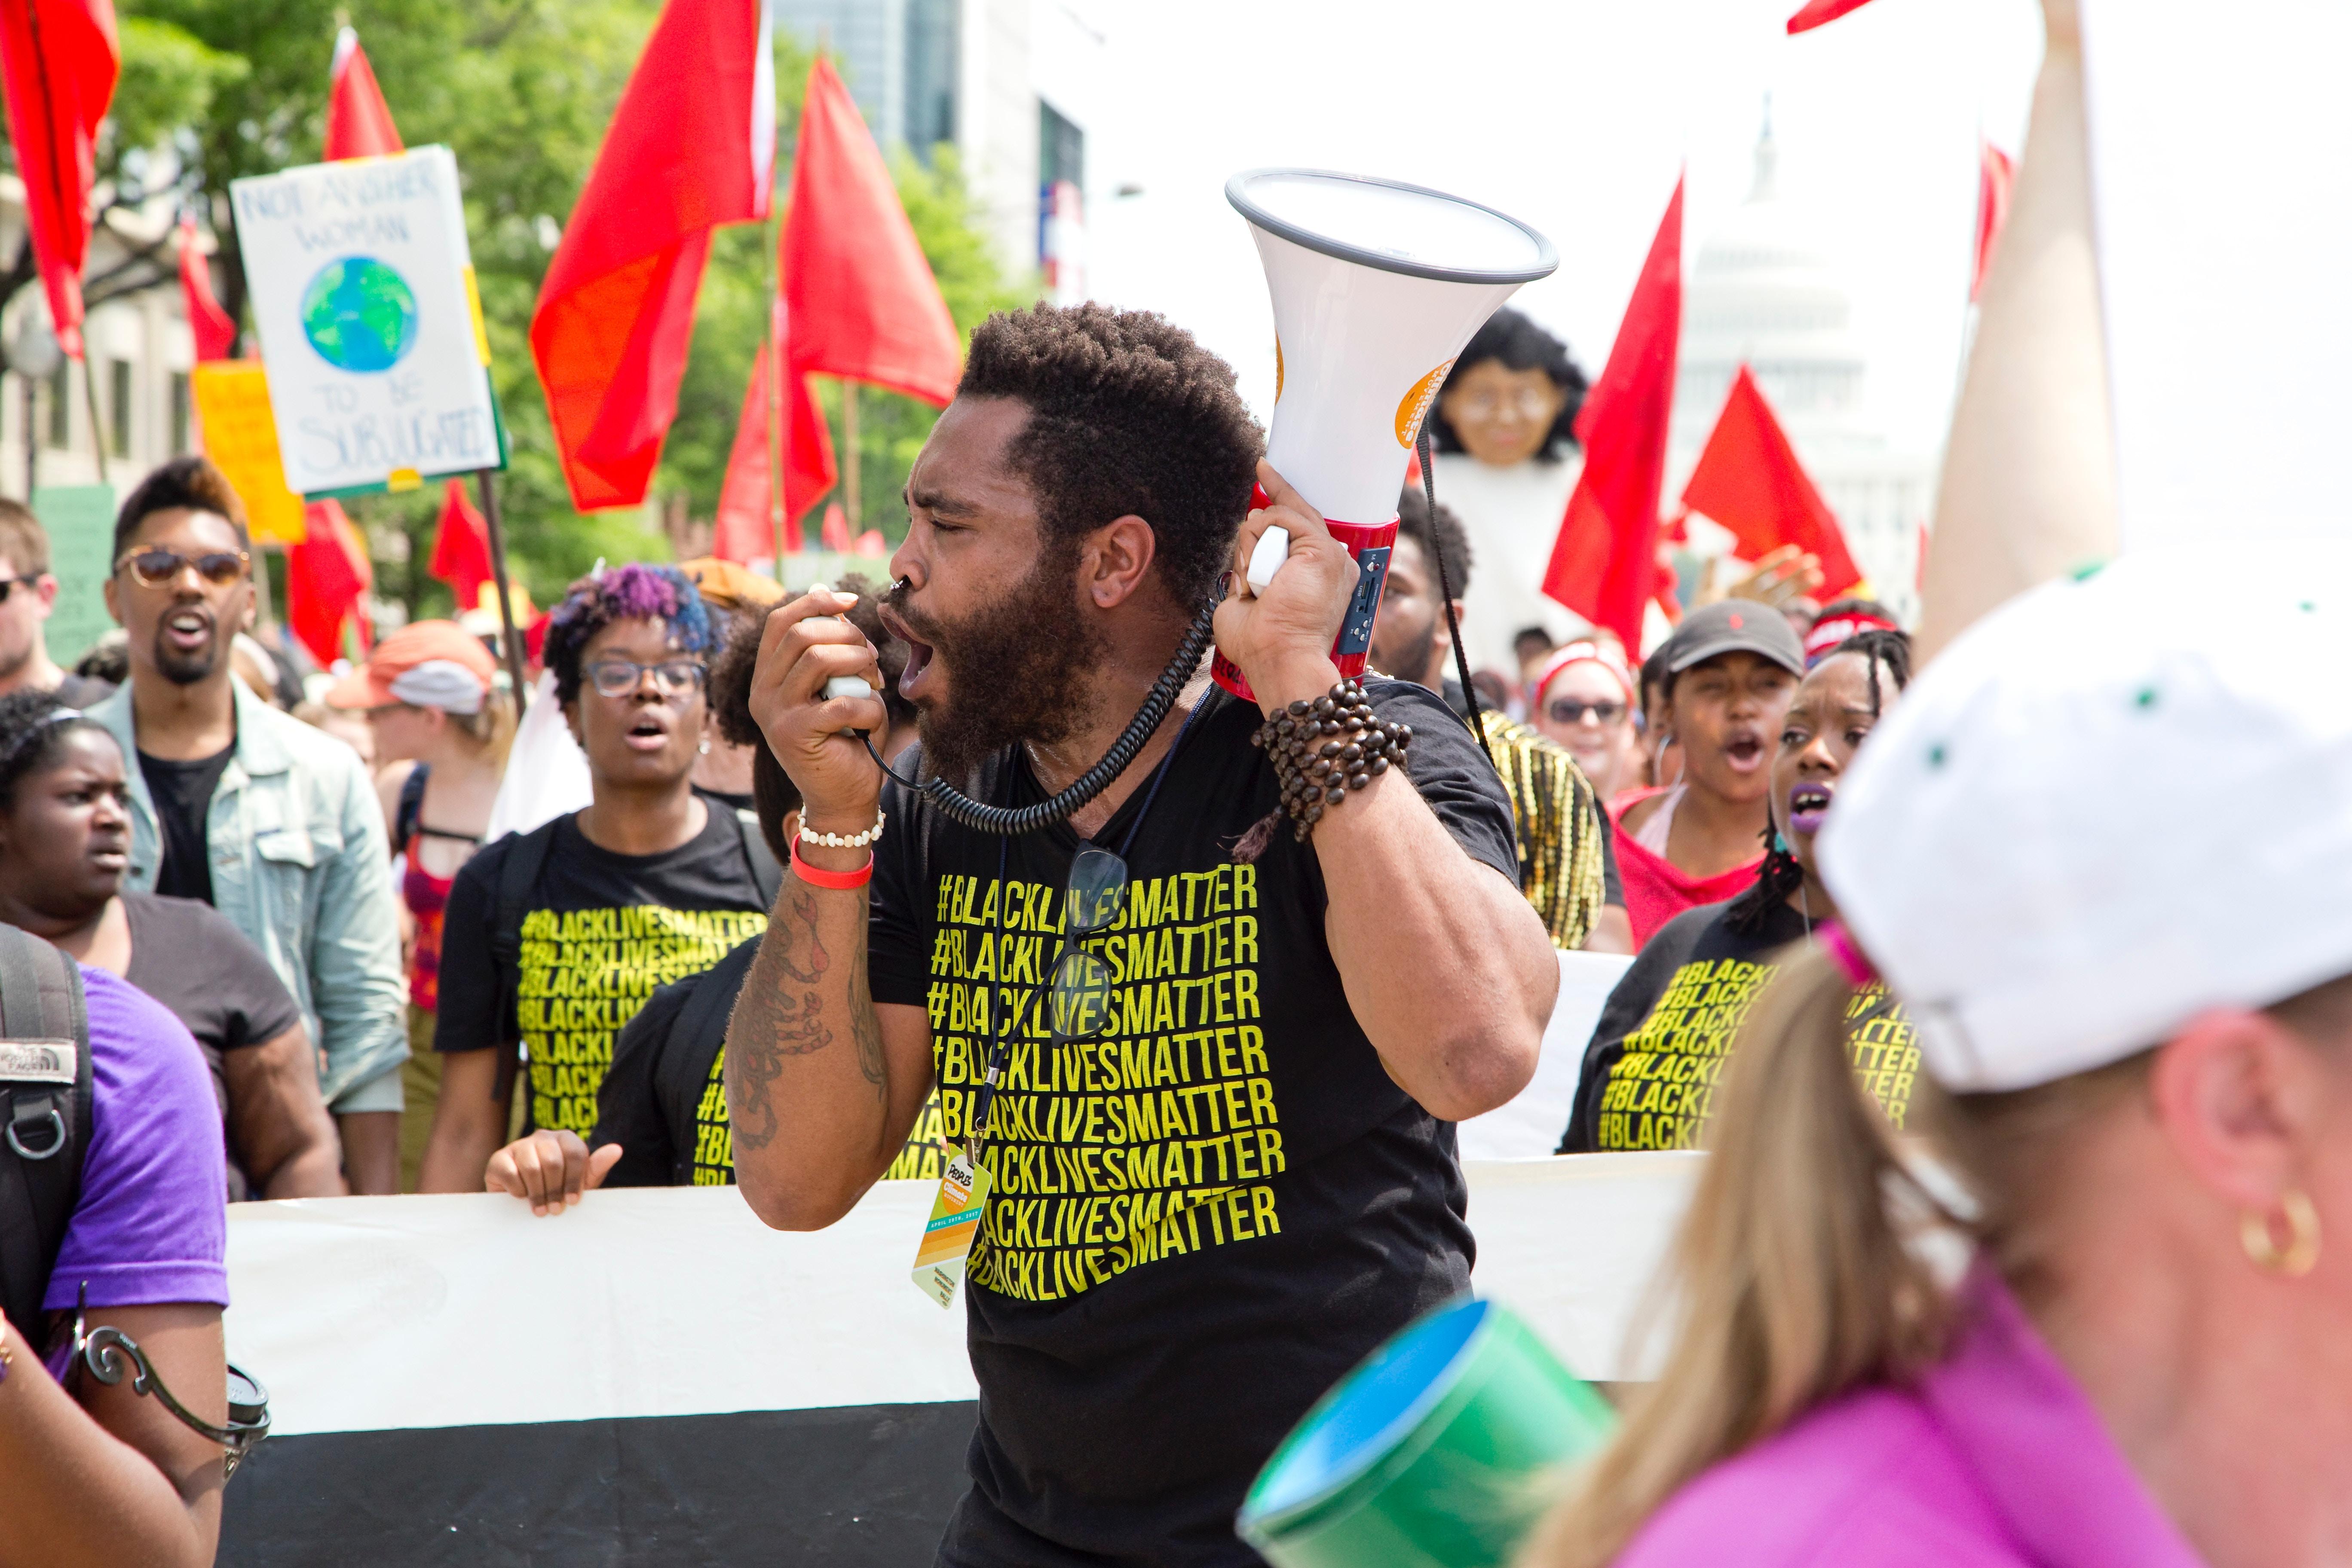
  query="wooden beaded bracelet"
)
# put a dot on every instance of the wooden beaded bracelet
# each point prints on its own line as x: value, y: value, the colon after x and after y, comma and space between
x: 1323, y: 749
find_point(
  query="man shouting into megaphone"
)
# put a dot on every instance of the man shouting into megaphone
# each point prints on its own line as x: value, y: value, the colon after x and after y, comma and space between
x: 1201, y: 1044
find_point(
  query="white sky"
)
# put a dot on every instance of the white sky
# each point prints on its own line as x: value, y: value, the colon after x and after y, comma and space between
x: 1573, y: 115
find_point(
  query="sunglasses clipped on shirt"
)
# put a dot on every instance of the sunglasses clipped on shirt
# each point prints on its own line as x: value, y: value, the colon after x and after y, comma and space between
x: 616, y: 677
x: 1565, y: 711
x: 155, y: 567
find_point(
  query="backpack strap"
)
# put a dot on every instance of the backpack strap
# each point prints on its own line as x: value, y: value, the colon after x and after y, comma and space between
x: 46, y: 1076
x: 519, y: 878
x: 410, y: 806
x: 766, y: 875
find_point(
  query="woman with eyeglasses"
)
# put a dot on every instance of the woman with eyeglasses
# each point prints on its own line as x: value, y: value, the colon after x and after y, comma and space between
x: 553, y: 939
x: 1505, y: 428
x: 1582, y: 697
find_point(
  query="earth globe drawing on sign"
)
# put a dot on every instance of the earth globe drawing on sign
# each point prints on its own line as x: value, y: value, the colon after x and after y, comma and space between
x: 360, y: 314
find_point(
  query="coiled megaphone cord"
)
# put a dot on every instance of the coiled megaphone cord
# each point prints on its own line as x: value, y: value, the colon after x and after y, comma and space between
x: 1012, y: 822
x: 1446, y: 594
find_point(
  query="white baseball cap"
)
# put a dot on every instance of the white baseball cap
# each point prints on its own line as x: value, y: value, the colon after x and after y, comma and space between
x: 2109, y: 805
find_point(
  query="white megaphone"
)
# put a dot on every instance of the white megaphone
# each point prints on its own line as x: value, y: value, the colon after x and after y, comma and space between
x: 1377, y: 285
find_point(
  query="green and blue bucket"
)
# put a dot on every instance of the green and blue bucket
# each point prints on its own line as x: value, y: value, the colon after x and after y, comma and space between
x: 1434, y: 1453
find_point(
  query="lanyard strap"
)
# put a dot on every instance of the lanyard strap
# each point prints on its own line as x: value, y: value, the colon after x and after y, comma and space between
x: 984, y: 1098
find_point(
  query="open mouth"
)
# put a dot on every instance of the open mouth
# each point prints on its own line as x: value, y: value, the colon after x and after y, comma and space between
x: 649, y: 734
x: 1744, y: 752
x: 918, y: 655
x: 188, y: 630
x: 1809, y: 804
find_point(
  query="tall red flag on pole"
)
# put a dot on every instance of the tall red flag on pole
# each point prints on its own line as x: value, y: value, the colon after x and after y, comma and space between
x: 1996, y: 174
x: 860, y: 302
x: 359, y: 121
x: 59, y: 60
x: 461, y: 548
x: 1749, y: 480
x: 691, y: 146
x: 216, y: 334
x: 1604, y: 564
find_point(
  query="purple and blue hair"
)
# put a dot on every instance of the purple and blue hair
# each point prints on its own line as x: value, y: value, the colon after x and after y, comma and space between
x: 634, y: 591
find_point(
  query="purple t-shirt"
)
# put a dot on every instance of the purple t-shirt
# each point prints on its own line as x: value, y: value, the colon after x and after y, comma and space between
x: 151, y: 1225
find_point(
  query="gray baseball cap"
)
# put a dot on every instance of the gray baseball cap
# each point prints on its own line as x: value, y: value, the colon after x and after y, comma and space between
x: 1735, y: 625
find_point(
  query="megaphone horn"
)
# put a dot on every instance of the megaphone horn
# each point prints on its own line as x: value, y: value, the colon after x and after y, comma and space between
x: 1377, y: 285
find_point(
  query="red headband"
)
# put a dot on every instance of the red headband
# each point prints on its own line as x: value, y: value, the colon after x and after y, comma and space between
x: 1827, y: 634
x: 1584, y: 652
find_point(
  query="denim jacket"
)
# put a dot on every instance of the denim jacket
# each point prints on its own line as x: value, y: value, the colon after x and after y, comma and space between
x: 300, y: 866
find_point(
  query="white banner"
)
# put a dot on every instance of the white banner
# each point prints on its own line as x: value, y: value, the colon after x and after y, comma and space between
x: 363, y: 289
x: 363, y: 1314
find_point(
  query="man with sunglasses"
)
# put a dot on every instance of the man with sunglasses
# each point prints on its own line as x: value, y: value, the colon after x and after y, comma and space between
x: 241, y: 806
x: 27, y: 594
x: 1212, y: 1062
x: 1567, y: 867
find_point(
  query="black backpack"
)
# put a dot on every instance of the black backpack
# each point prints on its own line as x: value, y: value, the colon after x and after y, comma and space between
x: 45, y: 1117
x: 519, y: 878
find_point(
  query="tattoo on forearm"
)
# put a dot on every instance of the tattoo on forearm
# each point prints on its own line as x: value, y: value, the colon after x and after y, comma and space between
x: 777, y: 1017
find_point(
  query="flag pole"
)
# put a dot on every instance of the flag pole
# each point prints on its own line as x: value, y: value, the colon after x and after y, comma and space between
x: 508, y: 637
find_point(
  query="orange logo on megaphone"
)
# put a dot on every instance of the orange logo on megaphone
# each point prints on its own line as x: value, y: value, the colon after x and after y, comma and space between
x: 1416, y: 406
x: 1373, y: 282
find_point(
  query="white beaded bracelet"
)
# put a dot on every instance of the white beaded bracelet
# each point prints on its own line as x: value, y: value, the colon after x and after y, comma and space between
x: 848, y: 840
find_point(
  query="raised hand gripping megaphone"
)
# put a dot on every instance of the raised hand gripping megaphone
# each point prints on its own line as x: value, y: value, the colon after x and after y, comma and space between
x: 1377, y: 285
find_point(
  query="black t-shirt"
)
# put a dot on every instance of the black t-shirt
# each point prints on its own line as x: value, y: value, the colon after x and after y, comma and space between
x: 665, y: 1099
x: 600, y: 933
x: 1204, y: 1219
x: 1667, y: 1032
x: 1612, y: 883
x: 193, y: 959
x: 183, y: 793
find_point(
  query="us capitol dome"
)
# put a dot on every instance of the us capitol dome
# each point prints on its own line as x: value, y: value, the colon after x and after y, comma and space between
x: 1761, y: 293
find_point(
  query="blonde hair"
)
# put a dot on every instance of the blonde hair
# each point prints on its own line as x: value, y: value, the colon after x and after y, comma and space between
x: 491, y: 728
x: 1796, y: 1267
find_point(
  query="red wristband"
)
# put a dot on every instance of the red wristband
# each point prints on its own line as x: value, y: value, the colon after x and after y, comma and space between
x: 839, y: 881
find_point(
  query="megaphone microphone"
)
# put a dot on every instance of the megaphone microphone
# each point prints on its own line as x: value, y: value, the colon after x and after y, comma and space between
x: 1377, y: 286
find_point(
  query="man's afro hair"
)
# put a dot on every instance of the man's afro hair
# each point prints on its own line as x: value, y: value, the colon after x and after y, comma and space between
x: 1128, y: 414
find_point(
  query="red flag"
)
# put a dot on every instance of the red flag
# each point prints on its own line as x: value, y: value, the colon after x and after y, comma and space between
x: 461, y: 548
x: 325, y: 576
x: 1816, y: 12
x: 835, y: 534
x: 1604, y: 563
x: 860, y: 302
x: 359, y: 123
x: 744, y: 531
x: 216, y: 334
x: 59, y: 60
x: 691, y: 147
x: 1749, y: 480
x: 1996, y: 174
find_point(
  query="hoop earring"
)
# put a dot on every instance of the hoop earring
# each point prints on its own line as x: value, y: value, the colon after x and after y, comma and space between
x: 2301, y: 1254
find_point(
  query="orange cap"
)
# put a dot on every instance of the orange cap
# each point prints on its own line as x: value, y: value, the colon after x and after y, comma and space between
x: 426, y: 663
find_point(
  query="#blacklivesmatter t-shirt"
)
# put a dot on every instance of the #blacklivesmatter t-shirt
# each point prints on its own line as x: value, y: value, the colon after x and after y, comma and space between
x: 665, y: 1099
x: 600, y: 933
x: 1665, y: 1034
x: 1204, y: 1218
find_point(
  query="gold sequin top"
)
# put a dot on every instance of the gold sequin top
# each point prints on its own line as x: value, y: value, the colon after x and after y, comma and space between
x: 1560, y: 823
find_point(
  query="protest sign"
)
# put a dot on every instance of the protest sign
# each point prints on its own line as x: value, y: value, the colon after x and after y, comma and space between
x: 80, y: 521
x: 241, y: 439
x: 363, y: 299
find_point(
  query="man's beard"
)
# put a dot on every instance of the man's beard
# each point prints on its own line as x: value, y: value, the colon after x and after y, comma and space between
x: 1409, y: 658
x: 1016, y: 670
x: 189, y: 669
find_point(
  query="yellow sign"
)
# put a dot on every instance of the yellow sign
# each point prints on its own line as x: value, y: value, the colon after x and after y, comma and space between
x: 241, y: 439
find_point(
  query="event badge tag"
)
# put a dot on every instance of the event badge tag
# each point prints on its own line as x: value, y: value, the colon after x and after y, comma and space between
x: 953, y: 1226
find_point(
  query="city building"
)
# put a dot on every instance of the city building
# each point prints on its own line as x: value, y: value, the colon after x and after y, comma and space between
x: 1009, y: 84
x: 1762, y: 293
